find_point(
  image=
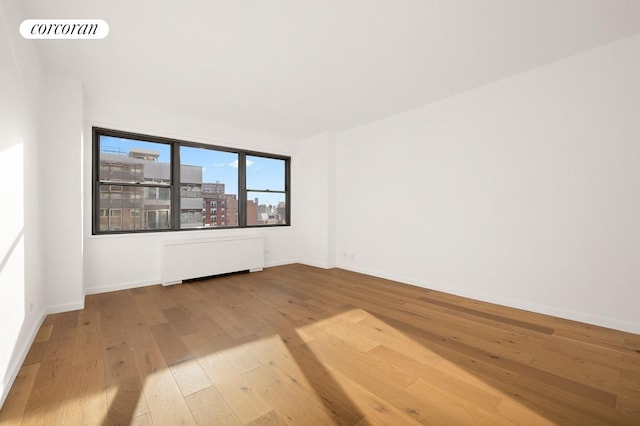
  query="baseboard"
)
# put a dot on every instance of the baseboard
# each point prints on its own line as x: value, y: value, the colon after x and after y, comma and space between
x: 279, y: 263
x: 614, y: 323
x: 316, y: 264
x: 120, y: 286
x: 65, y: 307
x: 144, y: 283
x: 20, y: 355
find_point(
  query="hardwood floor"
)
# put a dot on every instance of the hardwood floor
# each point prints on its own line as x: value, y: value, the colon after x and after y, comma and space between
x: 300, y: 345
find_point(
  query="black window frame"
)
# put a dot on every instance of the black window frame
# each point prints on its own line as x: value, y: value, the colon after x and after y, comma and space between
x: 267, y: 190
x: 174, y: 182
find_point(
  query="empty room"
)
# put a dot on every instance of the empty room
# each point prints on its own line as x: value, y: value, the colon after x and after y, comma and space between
x: 240, y: 212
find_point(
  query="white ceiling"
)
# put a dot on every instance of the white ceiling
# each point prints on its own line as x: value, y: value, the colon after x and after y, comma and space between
x: 299, y: 67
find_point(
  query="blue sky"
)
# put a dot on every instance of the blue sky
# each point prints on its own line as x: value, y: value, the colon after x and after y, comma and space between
x: 216, y: 166
x: 262, y: 173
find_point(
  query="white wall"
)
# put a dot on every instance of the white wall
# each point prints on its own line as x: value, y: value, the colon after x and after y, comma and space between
x: 523, y: 192
x: 314, y: 194
x: 22, y: 298
x: 123, y: 261
x: 62, y: 193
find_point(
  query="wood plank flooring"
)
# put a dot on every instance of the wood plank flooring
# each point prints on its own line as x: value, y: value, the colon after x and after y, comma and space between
x: 305, y: 346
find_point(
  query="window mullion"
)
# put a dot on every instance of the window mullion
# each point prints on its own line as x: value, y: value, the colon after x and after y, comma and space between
x: 242, y: 189
x: 287, y: 189
x: 95, y: 174
x: 175, y: 187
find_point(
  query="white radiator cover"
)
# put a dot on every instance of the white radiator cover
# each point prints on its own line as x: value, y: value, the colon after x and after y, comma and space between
x: 187, y: 259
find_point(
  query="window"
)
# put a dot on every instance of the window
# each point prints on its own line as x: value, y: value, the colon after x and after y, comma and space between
x: 104, y: 218
x: 157, y: 184
x: 164, y: 194
x: 115, y: 218
x: 267, y: 187
x: 157, y: 219
x: 204, y: 167
x: 142, y: 170
x: 191, y: 218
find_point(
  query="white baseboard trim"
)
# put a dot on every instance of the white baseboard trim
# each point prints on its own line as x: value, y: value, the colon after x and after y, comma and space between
x: 316, y: 264
x: 120, y: 286
x: 23, y: 349
x: 279, y: 263
x: 614, y: 323
x: 65, y: 307
x: 19, y: 357
x: 144, y: 283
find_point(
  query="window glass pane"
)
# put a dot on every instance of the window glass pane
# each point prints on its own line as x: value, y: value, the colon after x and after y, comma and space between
x: 115, y: 219
x: 133, y: 208
x: 164, y: 194
x: 163, y: 219
x: 155, y: 218
x: 104, y: 219
x: 266, y: 208
x: 265, y: 173
x: 207, y: 178
x: 134, y: 161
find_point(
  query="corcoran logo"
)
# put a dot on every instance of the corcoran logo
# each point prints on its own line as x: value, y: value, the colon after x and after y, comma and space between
x: 66, y: 29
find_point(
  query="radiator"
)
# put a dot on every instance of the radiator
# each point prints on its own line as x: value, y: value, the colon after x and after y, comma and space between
x: 187, y: 259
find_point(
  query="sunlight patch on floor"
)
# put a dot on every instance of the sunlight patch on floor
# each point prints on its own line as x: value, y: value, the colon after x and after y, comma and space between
x: 429, y: 386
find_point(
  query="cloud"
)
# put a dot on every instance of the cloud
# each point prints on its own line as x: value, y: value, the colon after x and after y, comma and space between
x: 219, y: 164
x: 234, y: 164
